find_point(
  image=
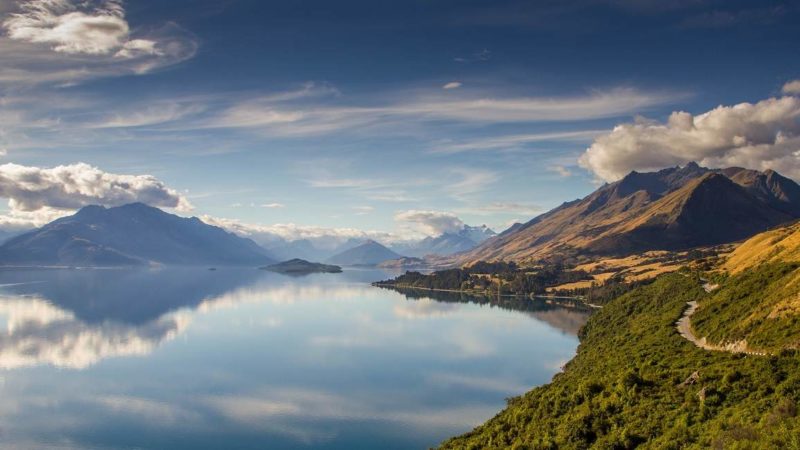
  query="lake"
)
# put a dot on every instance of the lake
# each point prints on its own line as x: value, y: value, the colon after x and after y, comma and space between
x: 246, y: 359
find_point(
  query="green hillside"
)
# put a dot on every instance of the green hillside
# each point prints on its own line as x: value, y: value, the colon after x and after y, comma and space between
x: 636, y: 383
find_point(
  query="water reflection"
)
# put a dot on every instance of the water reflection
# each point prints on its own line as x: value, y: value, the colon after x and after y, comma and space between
x: 188, y: 358
x: 564, y: 314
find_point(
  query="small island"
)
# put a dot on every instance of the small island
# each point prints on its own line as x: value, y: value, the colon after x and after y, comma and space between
x: 301, y: 267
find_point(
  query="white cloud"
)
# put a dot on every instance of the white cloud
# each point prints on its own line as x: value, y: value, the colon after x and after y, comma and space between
x: 452, y: 85
x: 515, y: 208
x: 278, y: 118
x: 560, y: 170
x: 38, y: 194
x: 470, y: 181
x: 273, y: 205
x: 154, y: 113
x: 363, y: 210
x: 93, y: 28
x: 431, y: 223
x: 516, y: 141
x: 322, y: 237
x: 764, y: 135
x: 69, y: 41
x: 791, y: 87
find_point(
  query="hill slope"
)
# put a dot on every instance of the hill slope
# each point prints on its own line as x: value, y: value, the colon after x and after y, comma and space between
x: 130, y: 235
x: 369, y: 253
x: 635, y: 383
x: 672, y: 209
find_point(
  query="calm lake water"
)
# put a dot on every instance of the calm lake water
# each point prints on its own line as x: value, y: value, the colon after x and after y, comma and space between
x: 241, y: 358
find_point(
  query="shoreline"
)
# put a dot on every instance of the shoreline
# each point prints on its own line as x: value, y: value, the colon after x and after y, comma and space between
x: 488, y: 293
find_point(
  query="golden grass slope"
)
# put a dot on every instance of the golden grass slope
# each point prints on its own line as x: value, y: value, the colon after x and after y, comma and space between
x: 778, y: 245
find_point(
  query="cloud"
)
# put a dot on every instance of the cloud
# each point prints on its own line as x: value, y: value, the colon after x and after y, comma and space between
x: 560, y: 170
x: 431, y: 223
x: 290, y: 119
x: 764, y: 135
x: 479, y: 56
x: 791, y: 87
x: 322, y: 237
x: 93, y: 28
x: 524, y: 209
x: 452, y: 85
x: 273, y: 205
x: 516, y: 141
x: 363, y: 210
x: 152, y: 114
x: 470, y: 181
x: 70, y: 41
x: 35, y: 191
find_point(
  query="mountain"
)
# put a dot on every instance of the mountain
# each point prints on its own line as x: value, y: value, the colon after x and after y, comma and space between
x: 672, y: 209
x: 447, y: 243
x: 301, y: 266
x: 132, y: 234
x: 301, y: 248
x: 370, y: 253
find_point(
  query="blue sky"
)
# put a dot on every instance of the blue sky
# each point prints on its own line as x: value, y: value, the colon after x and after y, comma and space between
x: 346, y: 114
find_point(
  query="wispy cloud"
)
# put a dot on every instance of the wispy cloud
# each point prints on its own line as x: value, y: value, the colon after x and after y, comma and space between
x: 512, y: 208
x: 273, y: 205
x: 479, y: 56
x: 289, y: 119
x: 452, y: 85
x: 515, y: 141
x: 469, y: 182
x: 560, y: 170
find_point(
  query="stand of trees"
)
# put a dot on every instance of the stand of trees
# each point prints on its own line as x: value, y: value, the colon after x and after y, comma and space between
x: 503, y: 277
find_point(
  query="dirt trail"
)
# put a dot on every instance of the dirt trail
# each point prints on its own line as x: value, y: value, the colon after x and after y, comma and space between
x: 684, y: 326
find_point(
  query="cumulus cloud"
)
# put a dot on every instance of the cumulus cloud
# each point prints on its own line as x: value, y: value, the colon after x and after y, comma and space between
x: 763, y: 135
x: 36, y: 193
x: 792, y: 87
x: 431, y: 223
x: 71, y: 40
x: 90, y: 27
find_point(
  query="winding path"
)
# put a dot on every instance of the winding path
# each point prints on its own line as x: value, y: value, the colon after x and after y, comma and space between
x: 684, y: 326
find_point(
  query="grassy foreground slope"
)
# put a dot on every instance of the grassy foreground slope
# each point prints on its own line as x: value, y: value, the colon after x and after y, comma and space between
x: 636, y: 383
x: 758, y: 306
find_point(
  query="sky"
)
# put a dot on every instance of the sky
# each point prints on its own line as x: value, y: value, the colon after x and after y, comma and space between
x: 393, y: 118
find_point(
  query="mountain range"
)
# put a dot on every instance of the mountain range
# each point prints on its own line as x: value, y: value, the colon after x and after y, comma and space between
x: 446, y: 243
x: 133, y: 234
x: 370, y: 253
x: 672, y: 209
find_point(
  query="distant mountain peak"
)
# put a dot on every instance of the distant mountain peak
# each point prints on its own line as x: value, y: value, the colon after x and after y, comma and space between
x: 370, y: 253
x: 134, y: 233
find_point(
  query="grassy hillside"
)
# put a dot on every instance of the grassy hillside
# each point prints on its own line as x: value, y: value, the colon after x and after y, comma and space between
x: 778, y: 245
x: 631, y: 384
x: 758, y: 309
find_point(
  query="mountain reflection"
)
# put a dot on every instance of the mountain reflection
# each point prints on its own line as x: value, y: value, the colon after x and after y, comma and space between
x: 73, y: 319
x: 565, y: 315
